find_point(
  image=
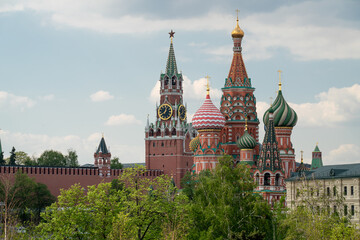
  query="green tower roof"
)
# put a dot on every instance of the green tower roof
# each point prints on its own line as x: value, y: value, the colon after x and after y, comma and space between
x: 316, y: 149
x: 102, y: 147
x: 171, y: 68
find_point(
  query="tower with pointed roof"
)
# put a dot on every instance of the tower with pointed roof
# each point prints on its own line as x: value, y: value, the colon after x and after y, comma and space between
x: 285, y: 118
x: 269, y: 174
x: 167, y: 139
x: 316, y: 158
x: 208, y: 121
x: 102, y: 158
x: 238, y: 101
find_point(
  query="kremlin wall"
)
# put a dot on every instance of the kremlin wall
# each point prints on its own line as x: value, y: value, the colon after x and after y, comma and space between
x: 175, y: 146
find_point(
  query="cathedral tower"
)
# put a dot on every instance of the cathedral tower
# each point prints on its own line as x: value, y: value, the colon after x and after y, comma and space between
x: 208, y: 121
x: 167, y: 140
x: 238, y: 101
x: 285, y: 118
x: 269, y: 174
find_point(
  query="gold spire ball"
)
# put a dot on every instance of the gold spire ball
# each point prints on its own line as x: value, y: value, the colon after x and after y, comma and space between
x: 237, y: 32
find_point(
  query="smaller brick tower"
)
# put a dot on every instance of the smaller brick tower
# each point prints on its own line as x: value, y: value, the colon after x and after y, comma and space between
x: 316, y: 158
x: 285, y: 118
x: 209, y: 121
x: 102, y: 158
x: 269, y: 174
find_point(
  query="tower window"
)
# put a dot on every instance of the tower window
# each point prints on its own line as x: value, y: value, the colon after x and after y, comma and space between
x: 267, y: 179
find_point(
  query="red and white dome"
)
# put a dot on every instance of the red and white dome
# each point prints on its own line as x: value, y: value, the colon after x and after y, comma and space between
x: 208, y: 116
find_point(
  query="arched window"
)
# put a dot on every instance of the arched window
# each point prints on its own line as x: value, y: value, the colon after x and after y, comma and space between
x: 158, y: 132
x: 257, y: 178
x: 173, y: 132
x: 267, y: 179
x: 277, y: 180
x: 151, y: 132
x: 173, y: 80
x: 166, y: 80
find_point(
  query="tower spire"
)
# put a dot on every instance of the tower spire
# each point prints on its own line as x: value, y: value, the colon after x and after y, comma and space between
x: 245, y: 123
x: 279, y: 71
x: 171, y: 68
x: 207, y: 84
x: 302, y: 159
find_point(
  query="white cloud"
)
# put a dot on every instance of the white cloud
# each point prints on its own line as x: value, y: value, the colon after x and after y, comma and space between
x: 122, y: 119
x: 345, y: 153
x: 307, y: 29
x: 49, y: 97
x: 9, y: 99
x: 101, y: 96
x: 335, y: 106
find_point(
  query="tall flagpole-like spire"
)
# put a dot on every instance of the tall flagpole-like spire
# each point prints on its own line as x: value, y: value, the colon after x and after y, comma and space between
x: 302, y: 160
x: 279, y: 71
x: 207, y: 84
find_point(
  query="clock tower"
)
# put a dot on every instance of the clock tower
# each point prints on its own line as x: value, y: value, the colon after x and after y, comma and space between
x: 167, y: 140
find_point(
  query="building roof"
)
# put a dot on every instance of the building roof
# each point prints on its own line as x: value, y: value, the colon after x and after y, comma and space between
x: 102, y: 147
x: 329, y: 172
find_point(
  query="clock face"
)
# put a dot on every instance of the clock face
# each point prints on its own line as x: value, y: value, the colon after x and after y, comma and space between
x: 165, y: 111
x: 182, y: 112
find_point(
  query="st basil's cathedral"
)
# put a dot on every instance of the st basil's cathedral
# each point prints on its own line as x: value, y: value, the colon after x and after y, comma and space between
x: 176, y: 146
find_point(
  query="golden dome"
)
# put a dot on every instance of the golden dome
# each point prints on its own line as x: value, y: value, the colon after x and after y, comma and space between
x: 237, y: 32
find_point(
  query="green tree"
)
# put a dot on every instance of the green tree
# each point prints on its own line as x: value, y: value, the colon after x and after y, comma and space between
x: 134, y: 207
x: 225, y: 206
x: 72, y: 158
x: 12, y: 160
x: 22, y: 199
x: 2, y: 160
x: 22, y: 157
x: 52, y: 158
x: 115, y: 163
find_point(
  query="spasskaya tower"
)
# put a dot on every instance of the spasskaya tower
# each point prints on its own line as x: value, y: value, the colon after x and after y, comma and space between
x: 167, y: 140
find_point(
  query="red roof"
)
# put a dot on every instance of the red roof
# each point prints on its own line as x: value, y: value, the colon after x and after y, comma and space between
x: 208, y: 116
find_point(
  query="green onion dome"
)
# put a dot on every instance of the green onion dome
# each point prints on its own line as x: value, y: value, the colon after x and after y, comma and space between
x: 194, y: 144
x: 246, y: 141
x: 284, y: 115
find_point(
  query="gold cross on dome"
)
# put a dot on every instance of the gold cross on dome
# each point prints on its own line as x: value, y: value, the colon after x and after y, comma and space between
x: 271, y: 99
x: 237, y: 14
x: 279, y: 71
x: 207, y: 84
x: 302, y: 156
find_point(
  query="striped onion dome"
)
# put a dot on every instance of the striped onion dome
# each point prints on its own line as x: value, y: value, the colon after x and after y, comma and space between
x: 208, y: 116
x: 246, y: 141
x: 194, y: 144
x: 284, y: 115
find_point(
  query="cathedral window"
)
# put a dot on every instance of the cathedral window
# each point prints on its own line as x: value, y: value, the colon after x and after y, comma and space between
x: 257, y: 178
x: 277, y: 180
x: 267, y: 179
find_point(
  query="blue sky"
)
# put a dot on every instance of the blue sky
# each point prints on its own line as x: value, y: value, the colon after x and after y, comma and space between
x: 70, y: 70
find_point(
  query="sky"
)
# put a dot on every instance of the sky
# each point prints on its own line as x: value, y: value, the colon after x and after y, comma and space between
x: 72, y: 70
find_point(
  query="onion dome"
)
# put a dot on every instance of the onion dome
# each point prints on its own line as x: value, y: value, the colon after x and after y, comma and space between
x: 284, y: 115
x: 246, y: 141
x: 194, y: 143
x: 237, y: 32
x: 208, y: 116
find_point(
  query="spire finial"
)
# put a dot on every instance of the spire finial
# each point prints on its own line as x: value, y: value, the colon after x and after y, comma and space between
x: 237, y: 14
x: 279, y: 71
x: 246, y: 123
x: 317, y: 143
x: 171, y: 33
x: 302, y: 160
x: 102, y: 135
x: 207, y: 84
